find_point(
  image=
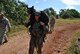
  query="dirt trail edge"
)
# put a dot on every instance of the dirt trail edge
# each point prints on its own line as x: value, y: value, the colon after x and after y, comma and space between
x: 56, y: 43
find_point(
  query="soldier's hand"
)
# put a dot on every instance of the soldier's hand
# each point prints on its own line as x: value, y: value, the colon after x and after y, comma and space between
x: 42, y: 23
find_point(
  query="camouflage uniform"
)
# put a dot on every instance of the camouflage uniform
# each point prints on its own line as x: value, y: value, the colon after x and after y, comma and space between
x: 4, y: 22
x: 36, y: 38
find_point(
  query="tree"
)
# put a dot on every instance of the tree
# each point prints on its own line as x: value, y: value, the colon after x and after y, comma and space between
x: 15, y: 10
x: 73, y: 13
x: 69, y: 13
x: 50, y: 11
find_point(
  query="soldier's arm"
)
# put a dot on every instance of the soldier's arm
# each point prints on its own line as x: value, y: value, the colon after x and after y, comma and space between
x: 8, y: 25
x: 27, y: 23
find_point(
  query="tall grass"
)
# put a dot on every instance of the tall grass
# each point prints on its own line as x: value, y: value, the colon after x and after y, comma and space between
x: 73, y: 47
x: 60, y: 22
x: 16, y: 29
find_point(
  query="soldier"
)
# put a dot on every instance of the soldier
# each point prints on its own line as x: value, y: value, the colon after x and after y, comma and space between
x: 37, y: 35
x: 4, y: 22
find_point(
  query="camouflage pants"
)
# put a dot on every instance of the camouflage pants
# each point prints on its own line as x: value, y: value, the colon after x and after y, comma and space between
x: 3, y: 39
x: 36, y: 42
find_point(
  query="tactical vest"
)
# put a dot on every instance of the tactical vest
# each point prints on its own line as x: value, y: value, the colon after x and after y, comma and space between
x: 36, y: 30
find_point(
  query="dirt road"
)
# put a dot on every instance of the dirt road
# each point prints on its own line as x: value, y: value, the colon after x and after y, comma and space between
x: 56, y: 43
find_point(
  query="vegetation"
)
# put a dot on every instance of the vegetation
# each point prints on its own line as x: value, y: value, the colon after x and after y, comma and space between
x: 74, y: 49
x: 69, y: 13
x: 63, y: 13
x: 15, y: 10
x: 60, y: 22
x: 50, y: 11
x: 16, y: 29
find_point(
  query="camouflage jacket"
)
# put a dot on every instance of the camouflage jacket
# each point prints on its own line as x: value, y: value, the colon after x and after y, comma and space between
x: 4, y: 23
x: 36, y: 29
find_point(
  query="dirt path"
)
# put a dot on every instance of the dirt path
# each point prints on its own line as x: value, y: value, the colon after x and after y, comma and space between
x: 56, y: 43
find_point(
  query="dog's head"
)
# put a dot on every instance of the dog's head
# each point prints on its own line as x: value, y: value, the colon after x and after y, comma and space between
x: 30, y: 10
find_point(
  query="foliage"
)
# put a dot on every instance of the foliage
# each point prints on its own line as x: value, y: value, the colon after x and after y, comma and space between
x: 60, y: 22
x: 16, y: 29
x: 69, y: 13
x: 14, y: 10
x: 50, y: 11
x: 63, y: 13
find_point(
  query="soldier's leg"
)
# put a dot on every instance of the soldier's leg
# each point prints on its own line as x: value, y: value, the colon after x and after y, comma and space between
x: 31, y: 46
x: 39, y: 50
x: 39, y: 47
x: 5, y: 38
x: 1, y: 40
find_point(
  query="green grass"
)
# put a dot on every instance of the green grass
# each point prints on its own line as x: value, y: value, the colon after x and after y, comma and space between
x: 60, y: 22
x: 73, y: 48
x: 16, y: 29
